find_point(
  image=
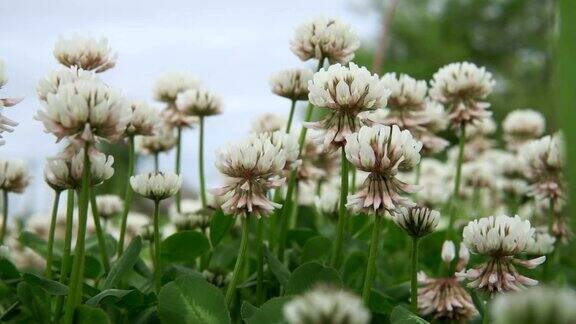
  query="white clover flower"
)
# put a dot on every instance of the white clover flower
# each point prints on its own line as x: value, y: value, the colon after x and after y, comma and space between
x: 317, y: 164
x: 191, y: 216
x: 346, y: 92
x: 435, y: 183
x: 289, y: 144
x: 162, y: 140
x: 483, y: 127
x: 501, y: 239
x: 417, y: 221
x: 156, y: 185
x: 544, y: 163
x: 13, y: 175
x: 85, y: 52
x: 250, y: 168
x: 143, y: 119
x: 325, y: 304
x: 406, y: 100
x: 462, y: 86
x: 199, y: 103
x: 57, y: 174
x: 448, y: 251
x: 543, y: 243
x: 109, y: 206
x: 268, y: 123
x: 291, y: 84
x: 444, y: 299
x: 85, y: 110
x: 218, y: 277
x: 534, y: 306
x: 521, y: 126
x: 169, y: 85
x: 64, y: 75
x: 480, y: 174
x: 6, y: 124
x: 382, y: 151
x: 328, y: 200
x: 100, y: 167
x: 325, y: 38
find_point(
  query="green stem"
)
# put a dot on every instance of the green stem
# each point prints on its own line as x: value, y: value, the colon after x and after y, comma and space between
x: 76, y: 279
x: 486, y: 314
x: 99, y: 232
x: 260, y: 261
x: 308, y: 115
x: 418, y: 172
x: 239, y: 261
x: 4, y: 216
x: 157, y: 252
x: 291, y: 116
x: 177, y: 167
x: 67, y: 249
x: 353, y: 180
x: 48, y: 270
x: 456, y: 194
x: 127, y: 195
x: 373, y: 254
x: 156, y: 161
x: 337, y: 251
x: 201, y: 163
x: 414, y: 276
x: 285, y: 215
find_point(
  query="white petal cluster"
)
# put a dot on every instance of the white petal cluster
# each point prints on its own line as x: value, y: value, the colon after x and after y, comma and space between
x: 325, y: 304
x: 57, y: 174
x: 482, y: 127
x: 406, y: 93
x: 109, y: 206
x: 325, y: 38
x: 100, y: 167
x: 544, y: 162
x: 417, y: 221
x: 346, y: 92
x: 85, y: 52
x: 64, y: 75
x: 199, y: 102
x: 291, y: 84
x: 191, y: 216
x: 501, y: 239
x: 448, y: 251
x: 444, y: 299
x: 6, y: 124
x: 250, y: 168
x: 522, y: 125
x: 169, y: 85
x: 435, y: 183
x: 289, y: 144
x: 543, y: 244
x: 162, y: 140
x: 461, y: 82
x: 383, y: 151
x: 268, y: 123
x: 85, y: 110
x: 143, y: 119
x: 535, y: 305
x: 13, y: 175
x: 327, y: 202
x: 156, y: 185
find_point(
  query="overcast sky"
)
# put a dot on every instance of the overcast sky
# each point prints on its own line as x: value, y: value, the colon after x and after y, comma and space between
x: 232, y: 46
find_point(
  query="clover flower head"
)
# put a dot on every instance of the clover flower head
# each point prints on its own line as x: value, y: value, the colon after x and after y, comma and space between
x: 444, y: 299
x: 521, y: 126
x: 199, y: 102
x: 325, y: 304
x: 417, y: 221
x: 346, y: 92
x: 169, y: 85
x: 543, y: 243
x: 109, y: 206
x: 156, y: 185
x: 100, y: 166
x: 64, y: 75
x: 291, y: 84
x: 191, y: 216
x: 250, y: 168
x: 6, y: 124
x: 13, y: 175
x: 162, y: 140
x: 87, y: 53
x: 325, y: 38
x: 143, y: 119
x: 268, y: 123
x: 85, y: 110
x: 406, y: 93
x: 382, y: 151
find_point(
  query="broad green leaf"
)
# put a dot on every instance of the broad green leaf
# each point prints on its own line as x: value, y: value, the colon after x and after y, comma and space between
x: 92, y: 267
x: 184, y: 246
x: 277, y: 268
x: 107, y: 296
x: 270, y: 312
x: 299, y: 236
x: 90, y: 315
x: 34, y: 299
x: 124, y: 264
x: 142, y: 269
x: 220, y: 226
x: 316, y: 249
x: 8, y: 270
x: 93, y: 248
x: 49, y: 286
x: 11, y: 312
x: 380, y: 303
x: 36, y: 243
x: 247, y: 310
x: 354, y: 270
x: 309, y: 275
x: 192, y: 300
x: 401, y: 315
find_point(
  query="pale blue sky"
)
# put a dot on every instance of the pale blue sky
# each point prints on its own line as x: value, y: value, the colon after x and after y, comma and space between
x: 232, y: 46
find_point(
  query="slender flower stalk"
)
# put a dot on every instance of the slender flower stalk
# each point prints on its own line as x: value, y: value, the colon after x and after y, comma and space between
x: 4, y: 215
x: 457, y: 181
x: 338, y: 240
x: 66, y: 250
x: 201, y: 162
x: 291, y: 116
x: 13, y: 178
x: 414, y: 275
x: 372, y: 256
x: 177, y: 167
x: 76, y: 278
x: 99, y: 232
x: 157, y: 251
x: 239, y: 261
x: 156, y: 161
x: 50, y: 253
x: 127, y: 195
x: 260, y: 261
